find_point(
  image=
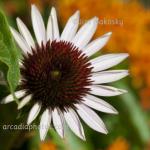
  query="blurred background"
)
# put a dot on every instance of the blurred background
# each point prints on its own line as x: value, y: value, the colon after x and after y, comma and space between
x: 129, y: 20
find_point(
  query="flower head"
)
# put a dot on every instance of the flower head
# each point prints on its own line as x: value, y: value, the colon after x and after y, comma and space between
x: 59, y: 77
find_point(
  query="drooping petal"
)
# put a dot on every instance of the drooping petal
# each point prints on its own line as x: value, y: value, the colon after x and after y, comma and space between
x: 58, y: 121
x: 38, y: 25
x: 24, y: 101
x: 10, y: 98
x: 74, y: 123
x: 108, y: 76
x: 107, y: 61
x: 71, y: 27
x: 45, y: 123
x: 85, y: 33
x: 99, y: 104
x: 25, y: 32
x: 97, y: 44
x: 56, y: 35
x: 101, y: 90
x: 34, y: 112
x: 20, y: 41
x: 91, y: 118
x: 49, y: 29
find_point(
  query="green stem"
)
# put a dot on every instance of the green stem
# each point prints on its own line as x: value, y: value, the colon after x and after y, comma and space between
x: 135, y: 113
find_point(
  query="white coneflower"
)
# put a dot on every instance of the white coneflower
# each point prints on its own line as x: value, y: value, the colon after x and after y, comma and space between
x: 59, y: 78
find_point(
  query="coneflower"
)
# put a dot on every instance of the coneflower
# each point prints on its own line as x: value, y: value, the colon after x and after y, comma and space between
x: 59, y: 78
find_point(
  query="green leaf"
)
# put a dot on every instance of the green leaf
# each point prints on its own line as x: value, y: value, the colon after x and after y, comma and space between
x: 8, y: 53
x: 131, y: 107
x: 71, y: 142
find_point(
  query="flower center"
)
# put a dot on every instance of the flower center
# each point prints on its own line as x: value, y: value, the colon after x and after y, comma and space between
x: 57, y: 75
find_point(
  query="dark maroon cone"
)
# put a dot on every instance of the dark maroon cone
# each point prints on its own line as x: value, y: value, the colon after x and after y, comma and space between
x: 57, y: 75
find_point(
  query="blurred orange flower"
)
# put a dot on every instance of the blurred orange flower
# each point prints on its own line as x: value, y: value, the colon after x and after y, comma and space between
x: 48, y: 145
x: 145, y: 95
x: 130, y: 24
x: 119, y: 144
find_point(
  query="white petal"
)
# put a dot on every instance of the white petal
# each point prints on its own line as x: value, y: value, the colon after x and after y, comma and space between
x: 10, y: 97
x: 71, y: 27
x: 58, y: 121
x: 91, y: 118
x: 74, y: 123
x: 108, y: 76
x: 38, y: 25
x: 25, y: 32
x: 85, y: 33
x: 20, y: 41
x: 49, y: 29
x: 97, y: 44
x: 45, y: 123
x: 107, y: 61
x: 34, y: 112
x: 99, y: 104
x: 24, y: 101
x: 101, y: 90
x: 56, y: 35
x: 20, y: 63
